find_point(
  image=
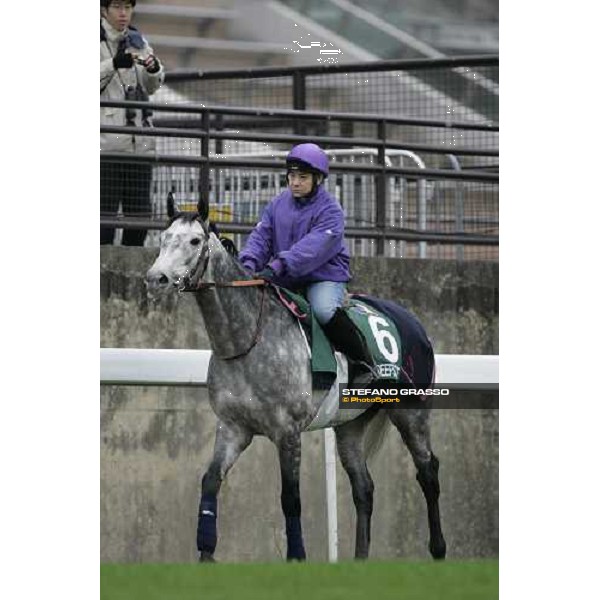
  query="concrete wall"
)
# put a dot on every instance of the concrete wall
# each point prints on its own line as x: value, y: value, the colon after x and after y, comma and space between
x: 157, y: 441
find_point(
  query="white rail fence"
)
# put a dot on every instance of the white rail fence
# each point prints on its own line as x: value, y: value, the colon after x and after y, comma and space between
x: 135, y: 366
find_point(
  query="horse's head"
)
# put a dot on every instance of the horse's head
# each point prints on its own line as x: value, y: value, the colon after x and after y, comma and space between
x: 183, y: 250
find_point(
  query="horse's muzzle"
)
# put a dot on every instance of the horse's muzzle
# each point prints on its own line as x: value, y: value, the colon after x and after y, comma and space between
x: 157, y: 283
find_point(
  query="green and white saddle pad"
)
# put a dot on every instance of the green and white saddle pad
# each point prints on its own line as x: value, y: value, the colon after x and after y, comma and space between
x: 381, y: 337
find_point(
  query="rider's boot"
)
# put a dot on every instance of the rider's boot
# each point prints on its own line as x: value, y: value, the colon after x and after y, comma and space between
x: 347, y: 338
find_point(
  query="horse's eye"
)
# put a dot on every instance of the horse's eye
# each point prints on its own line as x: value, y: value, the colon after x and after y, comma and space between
x: 195, y: 241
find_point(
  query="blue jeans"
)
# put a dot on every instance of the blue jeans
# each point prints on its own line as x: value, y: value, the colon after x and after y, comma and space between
x: 325, y: 297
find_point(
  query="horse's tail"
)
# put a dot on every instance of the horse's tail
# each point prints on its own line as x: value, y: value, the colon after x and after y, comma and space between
x: 375, y: 433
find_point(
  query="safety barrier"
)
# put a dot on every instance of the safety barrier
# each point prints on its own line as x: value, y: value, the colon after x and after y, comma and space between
x: 136, y: 366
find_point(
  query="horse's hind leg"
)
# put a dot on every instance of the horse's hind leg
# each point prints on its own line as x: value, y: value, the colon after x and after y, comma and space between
x: 349, y: 440
x: 230, y: 442
x: 413, y: 425
x: 289, y: 448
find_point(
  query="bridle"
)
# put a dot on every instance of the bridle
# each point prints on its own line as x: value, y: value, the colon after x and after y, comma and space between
x: 194, y: 283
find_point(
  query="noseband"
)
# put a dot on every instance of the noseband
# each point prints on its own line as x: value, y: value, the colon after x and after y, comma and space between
x: 191, y: 282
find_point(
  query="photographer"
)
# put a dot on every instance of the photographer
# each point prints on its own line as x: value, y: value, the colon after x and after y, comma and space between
x: 128, y: 71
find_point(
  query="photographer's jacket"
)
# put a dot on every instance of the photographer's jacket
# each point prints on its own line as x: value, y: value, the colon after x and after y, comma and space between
x: 114, y: 83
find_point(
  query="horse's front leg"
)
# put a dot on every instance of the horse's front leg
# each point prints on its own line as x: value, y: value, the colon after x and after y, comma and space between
x: 230, y: 442
x: 289, y: 459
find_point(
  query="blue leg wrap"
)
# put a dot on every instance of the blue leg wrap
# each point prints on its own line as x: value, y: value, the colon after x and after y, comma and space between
x: 206, y: 537
x: 295, y: 543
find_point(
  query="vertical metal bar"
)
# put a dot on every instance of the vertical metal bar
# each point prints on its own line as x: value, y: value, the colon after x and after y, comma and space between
x: 218, y: 150
x: 381, y: 189
x: 299, y: 90
x: 219, y: 127
x: 331, y: 494
x: 422, y: 213
x: 204, y: 151
x: 403, y: 203
x: 460, y: 206
x: 299, y: 99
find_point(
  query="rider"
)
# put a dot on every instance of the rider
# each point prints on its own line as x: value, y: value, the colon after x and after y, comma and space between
x: 299, y: 244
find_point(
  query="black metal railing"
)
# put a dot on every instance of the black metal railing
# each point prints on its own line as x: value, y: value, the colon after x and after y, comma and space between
x: 443, y: 206
x: 457, y: 88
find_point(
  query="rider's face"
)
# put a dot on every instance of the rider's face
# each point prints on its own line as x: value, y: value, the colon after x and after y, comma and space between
x: 118, y: 14
x: 300, y: 183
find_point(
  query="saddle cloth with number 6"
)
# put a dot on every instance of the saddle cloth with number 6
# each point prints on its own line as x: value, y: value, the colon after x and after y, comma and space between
x: 383, y: 326
x: 381, y: 337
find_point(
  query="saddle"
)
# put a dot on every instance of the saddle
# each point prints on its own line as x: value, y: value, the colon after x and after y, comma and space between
x: 393, y: 342
x: 322, y: 358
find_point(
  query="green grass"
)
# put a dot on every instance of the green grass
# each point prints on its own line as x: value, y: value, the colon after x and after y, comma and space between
x: 427, y: 580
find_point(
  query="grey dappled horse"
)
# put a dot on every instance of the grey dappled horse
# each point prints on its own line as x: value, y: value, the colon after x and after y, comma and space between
x: 259, y: 383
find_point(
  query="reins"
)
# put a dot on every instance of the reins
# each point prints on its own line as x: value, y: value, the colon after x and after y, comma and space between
x: 204, y: 285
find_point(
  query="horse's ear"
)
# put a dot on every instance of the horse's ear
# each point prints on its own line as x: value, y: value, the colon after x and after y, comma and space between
x: 203, y: 208
x: 170, y: 205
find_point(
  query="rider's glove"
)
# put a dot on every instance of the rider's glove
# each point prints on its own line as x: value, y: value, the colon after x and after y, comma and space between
x: 267, y: 274
x: 274, y: 269
x: 249, y: 266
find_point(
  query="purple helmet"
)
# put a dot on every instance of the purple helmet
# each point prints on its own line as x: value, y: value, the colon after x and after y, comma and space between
x: 309, y: 156
x: 106, y: 3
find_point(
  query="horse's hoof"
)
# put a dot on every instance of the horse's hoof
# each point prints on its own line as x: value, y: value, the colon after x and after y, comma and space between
x: 301, y: 558
x: 206, y: 557
x: 438, y: 551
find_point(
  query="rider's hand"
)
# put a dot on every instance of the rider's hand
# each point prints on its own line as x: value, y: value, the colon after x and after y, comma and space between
x: 249, y: 267
x: 267, y: 274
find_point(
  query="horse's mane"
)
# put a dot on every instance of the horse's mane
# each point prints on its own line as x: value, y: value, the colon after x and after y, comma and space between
x: 228, y: 244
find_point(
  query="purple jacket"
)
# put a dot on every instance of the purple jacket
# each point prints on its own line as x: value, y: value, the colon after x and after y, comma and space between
x: 302, y: 241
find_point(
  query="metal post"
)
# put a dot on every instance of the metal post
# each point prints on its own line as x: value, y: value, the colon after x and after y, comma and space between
x: 299, y: 99
x: 460, y: 207
x: 218, y: 150
x: 381, y: 189
x: 422, y: 213
x: 403, y: 185
x: 205, y: 151
x: 331, y: 492
x: 219, y: 127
